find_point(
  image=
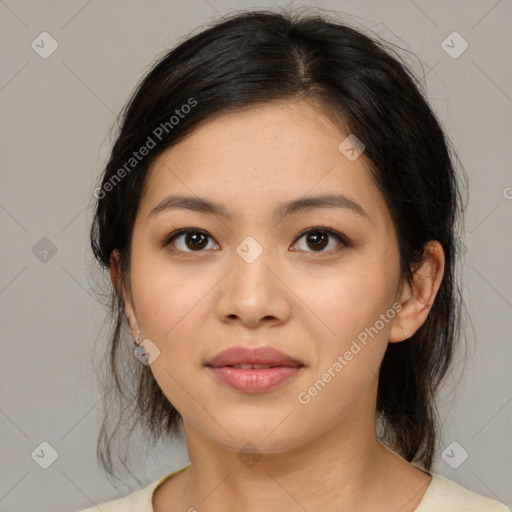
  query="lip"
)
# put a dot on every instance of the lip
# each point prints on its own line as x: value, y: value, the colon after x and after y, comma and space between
x: 253, y: 355
x: 253, y: 380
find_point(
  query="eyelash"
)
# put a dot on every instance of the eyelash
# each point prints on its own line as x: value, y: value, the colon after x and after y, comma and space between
x: 343, y: 240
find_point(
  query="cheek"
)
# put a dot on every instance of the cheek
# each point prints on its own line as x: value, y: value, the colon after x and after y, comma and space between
x: 350, y: 342
x: 350, y: 301
x: 355, y: 306
x: 170, y: 309
x: 166, y: 296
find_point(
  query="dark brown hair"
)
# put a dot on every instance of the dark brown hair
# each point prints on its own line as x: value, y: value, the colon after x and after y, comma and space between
x: 260, y: 56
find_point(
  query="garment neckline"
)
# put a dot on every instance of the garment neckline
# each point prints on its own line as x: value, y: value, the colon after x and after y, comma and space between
x: 434, y: 480
x: 429, y: 491
x: 158, y: 483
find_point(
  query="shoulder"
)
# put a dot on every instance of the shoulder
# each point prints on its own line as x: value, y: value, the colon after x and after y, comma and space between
x: 445, y: 495
x: 137, y: 501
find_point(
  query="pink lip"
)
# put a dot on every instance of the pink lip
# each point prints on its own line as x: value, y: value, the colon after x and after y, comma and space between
x: 253, y: 380
x: 255, y: 355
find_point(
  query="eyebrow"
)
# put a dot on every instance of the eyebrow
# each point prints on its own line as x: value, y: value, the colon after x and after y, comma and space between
x: 202, y: 205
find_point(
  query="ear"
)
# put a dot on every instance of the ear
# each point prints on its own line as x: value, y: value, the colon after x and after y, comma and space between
x: 417, y: 298
x: 115, y: 276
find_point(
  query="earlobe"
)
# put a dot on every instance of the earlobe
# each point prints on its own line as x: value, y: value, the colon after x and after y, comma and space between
x: 417, y: 297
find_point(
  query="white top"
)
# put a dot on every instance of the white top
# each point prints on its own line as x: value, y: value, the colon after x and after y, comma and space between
x: 442, y: 495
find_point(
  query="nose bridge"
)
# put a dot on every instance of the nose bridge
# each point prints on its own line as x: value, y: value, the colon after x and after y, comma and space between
x: 251, y: 291
x: 251, y: 261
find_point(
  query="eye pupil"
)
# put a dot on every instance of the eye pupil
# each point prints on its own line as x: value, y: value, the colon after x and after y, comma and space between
x: 192, y: 236
x: 317, y: 235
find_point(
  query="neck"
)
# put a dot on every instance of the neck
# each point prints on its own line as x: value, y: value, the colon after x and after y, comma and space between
x: 310, y: 477
x: 347, y: 467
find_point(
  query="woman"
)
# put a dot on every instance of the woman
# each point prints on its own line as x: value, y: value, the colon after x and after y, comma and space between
x: 279, y: 219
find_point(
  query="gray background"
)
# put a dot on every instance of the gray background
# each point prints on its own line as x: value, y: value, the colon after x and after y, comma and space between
x: 55, y: 122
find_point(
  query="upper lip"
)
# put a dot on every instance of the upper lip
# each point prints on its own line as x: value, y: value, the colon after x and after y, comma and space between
x: 253, y: 355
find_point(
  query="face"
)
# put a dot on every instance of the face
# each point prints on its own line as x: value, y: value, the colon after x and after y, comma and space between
x: 310, y: 282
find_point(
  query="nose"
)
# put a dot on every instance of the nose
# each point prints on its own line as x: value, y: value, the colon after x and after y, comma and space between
x: 254, y: 292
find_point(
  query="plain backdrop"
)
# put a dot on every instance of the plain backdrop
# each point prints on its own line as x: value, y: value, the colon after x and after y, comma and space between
x: 56, y: 116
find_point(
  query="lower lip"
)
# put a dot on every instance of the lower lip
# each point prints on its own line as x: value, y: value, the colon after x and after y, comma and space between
x: 254, y: 380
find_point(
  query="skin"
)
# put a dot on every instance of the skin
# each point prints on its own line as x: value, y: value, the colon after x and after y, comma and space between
x: 308, y: 302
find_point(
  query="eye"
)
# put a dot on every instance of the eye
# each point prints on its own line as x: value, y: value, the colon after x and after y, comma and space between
x: 194, y: 239
x: 318, y: 238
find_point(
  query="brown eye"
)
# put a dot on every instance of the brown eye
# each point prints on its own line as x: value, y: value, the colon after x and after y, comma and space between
x: 318, y: 238
x: 195, y: 240
x: 189, y: 240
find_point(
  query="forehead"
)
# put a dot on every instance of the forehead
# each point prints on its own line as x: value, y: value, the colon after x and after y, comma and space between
x: 262, y: 156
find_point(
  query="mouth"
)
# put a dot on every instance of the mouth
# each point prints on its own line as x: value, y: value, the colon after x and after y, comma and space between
x: 253, y: 369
